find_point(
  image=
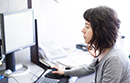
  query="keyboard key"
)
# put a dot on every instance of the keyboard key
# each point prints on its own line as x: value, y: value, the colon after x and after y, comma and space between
x: 47, y: 80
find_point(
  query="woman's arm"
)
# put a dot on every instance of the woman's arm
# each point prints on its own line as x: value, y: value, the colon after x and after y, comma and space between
x: 77, y: 71
x: 80, y: 71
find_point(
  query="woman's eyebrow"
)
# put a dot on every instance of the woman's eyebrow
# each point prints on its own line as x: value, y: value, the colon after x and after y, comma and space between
x: 87, y: 24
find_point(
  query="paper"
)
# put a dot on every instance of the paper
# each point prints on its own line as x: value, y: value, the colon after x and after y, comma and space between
x: 76, y: 59
x: 73, y: 59
x: 67, y: 62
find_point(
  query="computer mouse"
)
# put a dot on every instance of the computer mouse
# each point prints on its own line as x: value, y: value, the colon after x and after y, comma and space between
x: 53, y: 76
x: 54, y: 69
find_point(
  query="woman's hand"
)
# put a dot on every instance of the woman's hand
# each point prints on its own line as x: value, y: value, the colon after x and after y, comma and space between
x: 60, y: 70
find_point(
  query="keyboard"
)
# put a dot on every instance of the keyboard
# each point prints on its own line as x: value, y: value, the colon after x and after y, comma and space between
x: 47, y: 80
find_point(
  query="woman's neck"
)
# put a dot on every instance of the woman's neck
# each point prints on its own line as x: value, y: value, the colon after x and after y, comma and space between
x: 100, y: 57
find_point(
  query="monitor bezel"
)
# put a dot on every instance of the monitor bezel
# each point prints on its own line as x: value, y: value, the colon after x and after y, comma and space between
x: 3, y: 30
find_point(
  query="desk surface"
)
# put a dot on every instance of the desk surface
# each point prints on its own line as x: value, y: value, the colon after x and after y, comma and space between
x: 22, y: 76
x: 31, y: 75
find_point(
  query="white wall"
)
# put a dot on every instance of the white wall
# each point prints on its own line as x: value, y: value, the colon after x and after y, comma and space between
x: 56, y: 22
x: 12, y: 5
x: 63, y: 22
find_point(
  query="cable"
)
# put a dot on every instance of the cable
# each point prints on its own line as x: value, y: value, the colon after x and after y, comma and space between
x: 39, y: 76
x: 8, y: 6
x: 34, y: 75
x: 13, y: 78
x: 3, y: 59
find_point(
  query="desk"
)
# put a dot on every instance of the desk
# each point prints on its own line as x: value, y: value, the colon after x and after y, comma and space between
x: 30, y: 76
x: 24, y: 58
x: 86, y: 79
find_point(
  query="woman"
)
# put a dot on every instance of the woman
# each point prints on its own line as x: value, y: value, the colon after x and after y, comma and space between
x: 110, y: 64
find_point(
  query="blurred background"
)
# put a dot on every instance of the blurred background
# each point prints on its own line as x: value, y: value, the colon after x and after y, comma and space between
x: 61, y: 21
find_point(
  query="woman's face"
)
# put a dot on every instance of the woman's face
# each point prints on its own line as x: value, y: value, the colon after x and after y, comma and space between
x: 87, y: 32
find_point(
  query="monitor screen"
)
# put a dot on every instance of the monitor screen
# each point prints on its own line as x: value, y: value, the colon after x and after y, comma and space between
x: 17, y: 30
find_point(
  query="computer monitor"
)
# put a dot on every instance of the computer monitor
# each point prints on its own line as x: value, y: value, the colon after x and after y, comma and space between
x: 18, y: 32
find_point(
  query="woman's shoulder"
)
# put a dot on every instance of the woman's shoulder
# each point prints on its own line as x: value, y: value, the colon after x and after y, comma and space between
x: 117, y: 56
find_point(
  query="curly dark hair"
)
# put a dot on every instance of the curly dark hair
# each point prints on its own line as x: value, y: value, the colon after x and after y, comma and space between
x: 105, y: 25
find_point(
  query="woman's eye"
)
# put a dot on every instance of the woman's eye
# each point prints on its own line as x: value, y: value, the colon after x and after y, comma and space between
x: 87, y: 27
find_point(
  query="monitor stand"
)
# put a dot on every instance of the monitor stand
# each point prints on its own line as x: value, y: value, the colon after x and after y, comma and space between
x: 12, y: 67
x: 10, y: 61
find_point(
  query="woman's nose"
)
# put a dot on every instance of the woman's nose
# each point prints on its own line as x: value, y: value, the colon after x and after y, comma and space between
x: 83, y: 31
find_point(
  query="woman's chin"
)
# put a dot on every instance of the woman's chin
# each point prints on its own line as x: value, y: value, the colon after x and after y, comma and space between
x: 86, y: 42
